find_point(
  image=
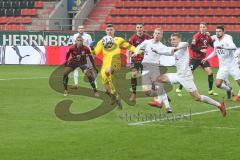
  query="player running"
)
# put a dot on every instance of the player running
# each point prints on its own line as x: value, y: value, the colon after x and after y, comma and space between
x: 224, y: 47
x: 184, y: 74
x: 151, y: 71
x: 78, y: 53
x: 200, y: 43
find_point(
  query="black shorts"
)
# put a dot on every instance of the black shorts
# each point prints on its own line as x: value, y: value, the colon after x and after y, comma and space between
x: 194, y: 63
x: 137, y: 65
x: 75, y: 64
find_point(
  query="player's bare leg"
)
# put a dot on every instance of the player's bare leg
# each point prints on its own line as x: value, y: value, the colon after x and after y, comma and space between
x: 91, y: 80
x: 197, y: 97
x: 237, y: 97
x: 210, y: 81
x: 67, y: 70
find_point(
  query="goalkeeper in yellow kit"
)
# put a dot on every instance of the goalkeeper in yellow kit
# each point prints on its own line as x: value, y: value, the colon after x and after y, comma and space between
x: 111, y: 47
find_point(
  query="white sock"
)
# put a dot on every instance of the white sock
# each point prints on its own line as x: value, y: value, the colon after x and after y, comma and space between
x: 159, y: 99
x: 75, y: 76
x: 239, y: 93
x: 209, y: 100
x: 223, y: 86
x: 165, y: 100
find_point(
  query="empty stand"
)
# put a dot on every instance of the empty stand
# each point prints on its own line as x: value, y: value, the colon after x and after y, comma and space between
x: 174, y: 15
x: 15, y: 14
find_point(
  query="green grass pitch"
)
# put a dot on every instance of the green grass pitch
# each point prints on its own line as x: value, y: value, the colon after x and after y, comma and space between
x: 30, y: 130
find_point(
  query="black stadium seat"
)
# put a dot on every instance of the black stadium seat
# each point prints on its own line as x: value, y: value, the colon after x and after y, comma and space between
x: 30, y: 4
x: 2, y: 12
x: 23, y: 4
x: 1, y: 4
x: 7, y: 4
x: 9, y: 12
x: 16, y: 4
x: 17, y: 12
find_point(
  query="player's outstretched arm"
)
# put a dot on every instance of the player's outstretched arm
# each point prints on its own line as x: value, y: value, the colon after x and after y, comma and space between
x: 209, y: 56
x: 168, y: 51
x: 182, y: 45
x: 139, y: 47
x: 98, y: 48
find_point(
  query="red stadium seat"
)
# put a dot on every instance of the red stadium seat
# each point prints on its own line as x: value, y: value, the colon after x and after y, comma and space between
x: 125, y: 19
x: 113, y: 12
x: 10, y: 20
x: 148, y: 12
x: 3, y: 20
x: 197, y: 4
x: 228, y: 11
x: 119, y: 4
x: 38, y: 4
x: 109, y: 19
x: 132, y: 11
x: 179, y: 19
x: 188, y: 3
x: 233, y: 20
x: 219, y: 11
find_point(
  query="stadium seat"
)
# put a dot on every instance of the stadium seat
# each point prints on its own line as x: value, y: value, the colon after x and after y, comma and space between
x: 3, y: 20
x: 38, y: 4
x: 175, y: 14
x: 9, y: 12
x: 30, y: 4
x: 23, y: 4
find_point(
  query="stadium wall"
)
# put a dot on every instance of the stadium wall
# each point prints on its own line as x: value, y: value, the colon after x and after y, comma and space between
x: 50, y: 47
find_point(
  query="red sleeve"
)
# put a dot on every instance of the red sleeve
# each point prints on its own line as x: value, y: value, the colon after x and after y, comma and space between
x: 195, y: 38
x: 147, y: 36
x: 210, y: 41
x: 131, y: 40
x: 87, y: 51
x: 68, y: 53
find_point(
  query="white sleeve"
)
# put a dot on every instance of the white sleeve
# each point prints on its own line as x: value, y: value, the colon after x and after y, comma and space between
x: 213, y: 37
x: 141, y: 46
x: 74, y: 37
x: 166, y: 51
x: 212, y: 54
x: 89, y: 39
x: 182, y: 45
x: 230, y: 44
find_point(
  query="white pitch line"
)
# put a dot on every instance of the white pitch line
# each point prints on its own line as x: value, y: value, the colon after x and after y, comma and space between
x: 192, y: 114
x: 204, y: 127
x: 9, y: 79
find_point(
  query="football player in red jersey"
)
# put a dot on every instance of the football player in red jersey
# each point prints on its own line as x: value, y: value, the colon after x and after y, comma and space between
x: 136, y: 62
x: 78, y: 53
x: 200, y: 43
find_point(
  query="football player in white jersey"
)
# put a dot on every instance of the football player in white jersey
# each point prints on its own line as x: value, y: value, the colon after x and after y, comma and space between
x: 224, y: 47
x: 151, y: 71
x: 184, y: 74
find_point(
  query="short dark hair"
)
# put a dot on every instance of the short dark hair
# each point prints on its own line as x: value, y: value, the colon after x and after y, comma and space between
x: 140, y: 24
x: 109, y: 25
x: 176, y: 34
x: 203, y: 23
x: 220, y: 27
